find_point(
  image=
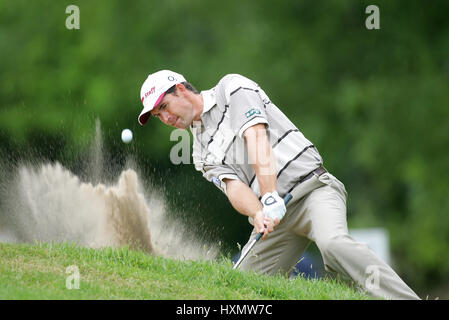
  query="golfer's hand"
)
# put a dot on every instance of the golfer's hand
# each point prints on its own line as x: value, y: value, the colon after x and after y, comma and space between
x: 264, y: 224
x: 273, y: 206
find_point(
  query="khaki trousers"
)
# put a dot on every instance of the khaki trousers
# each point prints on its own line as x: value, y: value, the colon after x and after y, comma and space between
x: 317, y: 213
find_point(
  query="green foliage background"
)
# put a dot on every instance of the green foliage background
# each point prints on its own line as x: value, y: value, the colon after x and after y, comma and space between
x: 374, y: 102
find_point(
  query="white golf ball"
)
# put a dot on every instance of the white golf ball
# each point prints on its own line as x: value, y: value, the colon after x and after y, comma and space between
x: 127, y: 135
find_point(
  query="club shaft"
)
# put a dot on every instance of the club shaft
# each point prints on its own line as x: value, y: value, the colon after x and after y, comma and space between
x: 287, y: 198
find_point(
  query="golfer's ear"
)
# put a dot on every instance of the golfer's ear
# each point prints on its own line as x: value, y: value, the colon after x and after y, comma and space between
x: 181, y: 87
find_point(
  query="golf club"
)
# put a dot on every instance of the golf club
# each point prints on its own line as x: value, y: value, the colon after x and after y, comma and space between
x: 287, y: 198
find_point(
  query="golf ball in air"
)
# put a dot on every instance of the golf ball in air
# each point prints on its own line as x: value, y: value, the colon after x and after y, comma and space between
x: 127, y: 135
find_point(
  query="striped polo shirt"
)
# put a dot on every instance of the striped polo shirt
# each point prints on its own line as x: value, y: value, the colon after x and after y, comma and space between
x: 219, y: 148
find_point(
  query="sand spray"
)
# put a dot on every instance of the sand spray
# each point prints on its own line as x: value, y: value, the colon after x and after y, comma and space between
x: 46, y: 202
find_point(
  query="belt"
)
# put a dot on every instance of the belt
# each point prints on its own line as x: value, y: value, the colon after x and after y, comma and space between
x: 318, y: 172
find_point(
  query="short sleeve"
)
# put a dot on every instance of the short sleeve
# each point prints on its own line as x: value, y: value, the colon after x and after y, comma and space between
x: 217, y: 173
x: 246, y: 110
x: 246, y: 107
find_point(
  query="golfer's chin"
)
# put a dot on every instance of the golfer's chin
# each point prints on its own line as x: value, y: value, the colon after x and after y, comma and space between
x: 180, y: 124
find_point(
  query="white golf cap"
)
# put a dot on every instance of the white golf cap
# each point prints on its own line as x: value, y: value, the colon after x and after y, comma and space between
x: 153, y: 90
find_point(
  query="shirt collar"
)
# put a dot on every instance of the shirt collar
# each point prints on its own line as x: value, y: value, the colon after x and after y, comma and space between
x: 209, y: 99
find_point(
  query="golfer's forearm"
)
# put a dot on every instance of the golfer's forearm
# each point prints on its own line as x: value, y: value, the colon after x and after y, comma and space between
x: 262, y: 157
x: 267, y: 182
x: 242, y: 198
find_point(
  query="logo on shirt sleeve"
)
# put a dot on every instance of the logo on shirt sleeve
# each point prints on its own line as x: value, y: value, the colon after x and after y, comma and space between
x: 252, y: 112
x: 216, y: 181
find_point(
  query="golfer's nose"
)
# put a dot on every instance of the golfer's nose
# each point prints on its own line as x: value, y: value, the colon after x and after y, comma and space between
x: 166, y: 117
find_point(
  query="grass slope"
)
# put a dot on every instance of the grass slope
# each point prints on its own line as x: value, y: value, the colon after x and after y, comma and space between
x: 38, y: 271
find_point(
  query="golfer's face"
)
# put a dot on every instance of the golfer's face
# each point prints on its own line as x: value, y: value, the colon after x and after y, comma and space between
x: 175, y: 111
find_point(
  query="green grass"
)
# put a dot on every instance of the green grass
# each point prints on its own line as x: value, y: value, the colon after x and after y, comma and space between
x: 38, y: 271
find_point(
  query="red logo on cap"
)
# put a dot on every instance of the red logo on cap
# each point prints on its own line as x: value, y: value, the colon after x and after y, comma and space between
x: 148, y: 93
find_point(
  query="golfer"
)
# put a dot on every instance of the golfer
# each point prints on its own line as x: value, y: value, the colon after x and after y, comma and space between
x: 254, y: 154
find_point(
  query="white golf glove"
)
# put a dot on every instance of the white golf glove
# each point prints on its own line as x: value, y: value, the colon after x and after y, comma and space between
x: 273, y: 205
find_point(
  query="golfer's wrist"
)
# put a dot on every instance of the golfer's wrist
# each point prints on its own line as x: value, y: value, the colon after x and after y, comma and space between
x: 267, y: 194
x: 253, y: 216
